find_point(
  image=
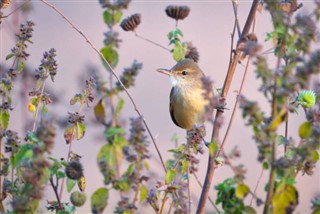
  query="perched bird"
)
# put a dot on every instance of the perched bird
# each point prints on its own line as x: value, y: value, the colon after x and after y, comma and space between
x: 187, y: 103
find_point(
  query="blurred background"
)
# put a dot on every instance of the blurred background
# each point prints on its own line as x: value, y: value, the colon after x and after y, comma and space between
x: 208, y: 27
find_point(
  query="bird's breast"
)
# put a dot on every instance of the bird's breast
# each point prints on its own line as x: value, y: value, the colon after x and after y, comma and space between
x: 187, y: 106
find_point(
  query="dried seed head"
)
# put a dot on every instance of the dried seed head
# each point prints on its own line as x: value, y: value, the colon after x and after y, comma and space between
x: 177, y: 12
x: 131, y: 23
x: 192, y: 52
x: 74, y: 170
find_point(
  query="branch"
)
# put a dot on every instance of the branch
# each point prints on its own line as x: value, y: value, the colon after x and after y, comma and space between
x: 216, y: 126
x: 115, y: 75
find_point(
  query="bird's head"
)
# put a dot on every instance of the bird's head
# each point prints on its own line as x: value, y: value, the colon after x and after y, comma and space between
x: 184, y: 73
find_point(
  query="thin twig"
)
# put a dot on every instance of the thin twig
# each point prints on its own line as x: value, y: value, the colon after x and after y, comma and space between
x: 70, y: 145
x: 55, y: 189
x: 216, y: 127
x: 152, y: 42
x: 115, y: 75
x: 235, y: 10
x: 38, y: 107
x: 189, y: 191
x: 256, y: 187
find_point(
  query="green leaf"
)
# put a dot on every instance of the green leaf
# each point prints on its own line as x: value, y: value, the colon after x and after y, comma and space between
x: 112, y: 20
x: 242, y: 190
x: 20, y: 66
x: 113, y: 131
x: 107, y: 17
x: 146, y: 165
x: 44, y: 108
x: 119, y: 107
x: 249, y: 210
x: 99, y: 200
x: 70, y: 184
x: 100, y: 111
x: 10, y: 55
x: 69, y: 133
x: 285, y: 197
x: 171, y: 174
x: 124, y: 185
x: 24, y: 153
x: 107, y: 155
x: 184, y: 166
x: 143, y: 193
x: 117, y: 16
x: 213, y: 147
x: 130, y: 169
x: 4, y: 119
x: 265, y: 165
x: 169, y: 164
x: 179, y: 51
x: 305, y: 130
x: 111, y: 56
x: 61, y: 174
x: 315, y: 156
x: 81, y: 130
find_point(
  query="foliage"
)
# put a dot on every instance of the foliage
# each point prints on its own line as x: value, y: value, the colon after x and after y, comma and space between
x: 27, y: 167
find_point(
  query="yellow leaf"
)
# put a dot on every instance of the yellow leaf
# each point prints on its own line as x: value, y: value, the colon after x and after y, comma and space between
x: 82, y: 183
x: 284, y: 199
x: 282, y: 116
x: 242, y: 190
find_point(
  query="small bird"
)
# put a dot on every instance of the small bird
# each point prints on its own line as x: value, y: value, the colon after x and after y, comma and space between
x: 187, y: 103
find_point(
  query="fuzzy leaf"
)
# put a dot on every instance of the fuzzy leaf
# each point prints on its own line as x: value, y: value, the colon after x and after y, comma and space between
x: 284, y: 199
x: 111, y: 56
x: 25, y: 152
x: 81, y: 130
x: 119, y: 107
x: 107, y: 17
x: 305, y: 130
x: 9, y: 56
x: 179, y: 51
x: 99, y: 200
x: 184, y: 166
x: 315, y: 156
x: 143, y: 193
x: 69, y: 133
x: 20, y: 66
x: 107, y: 155
x: 70, y: 184
x: 171, y: 174
x: 100, y: 111
x: 242, y: 190
x: 4, y: 119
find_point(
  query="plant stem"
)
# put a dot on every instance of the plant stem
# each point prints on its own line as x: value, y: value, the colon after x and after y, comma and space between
x: 256, y: 187
x: 115, y: 75
x: 38, y: 107
x: 163, y: 202
x: 189, y: 191
x: 55, y: 189
x: 216, y: 127
x: 235, y: 10
x: 152, y: 42
x: 271, y: 180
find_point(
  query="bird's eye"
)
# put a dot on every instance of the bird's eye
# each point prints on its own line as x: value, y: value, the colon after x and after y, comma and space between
x: 184, y: 73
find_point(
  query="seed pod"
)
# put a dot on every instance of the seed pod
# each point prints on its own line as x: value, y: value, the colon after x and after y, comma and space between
x: 78, y: 199
x: 4, y: 3
x: 177, y: 12
x: 131, y: 23
x: 74, y: 170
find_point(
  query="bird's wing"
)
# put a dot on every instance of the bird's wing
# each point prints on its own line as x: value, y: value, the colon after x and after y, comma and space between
x: 171, y: 108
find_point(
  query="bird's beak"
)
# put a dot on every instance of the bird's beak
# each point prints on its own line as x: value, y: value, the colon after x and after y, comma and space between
x: 166, y: 71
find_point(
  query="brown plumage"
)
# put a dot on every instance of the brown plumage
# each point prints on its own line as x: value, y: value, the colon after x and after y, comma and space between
x: 187, y: 103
